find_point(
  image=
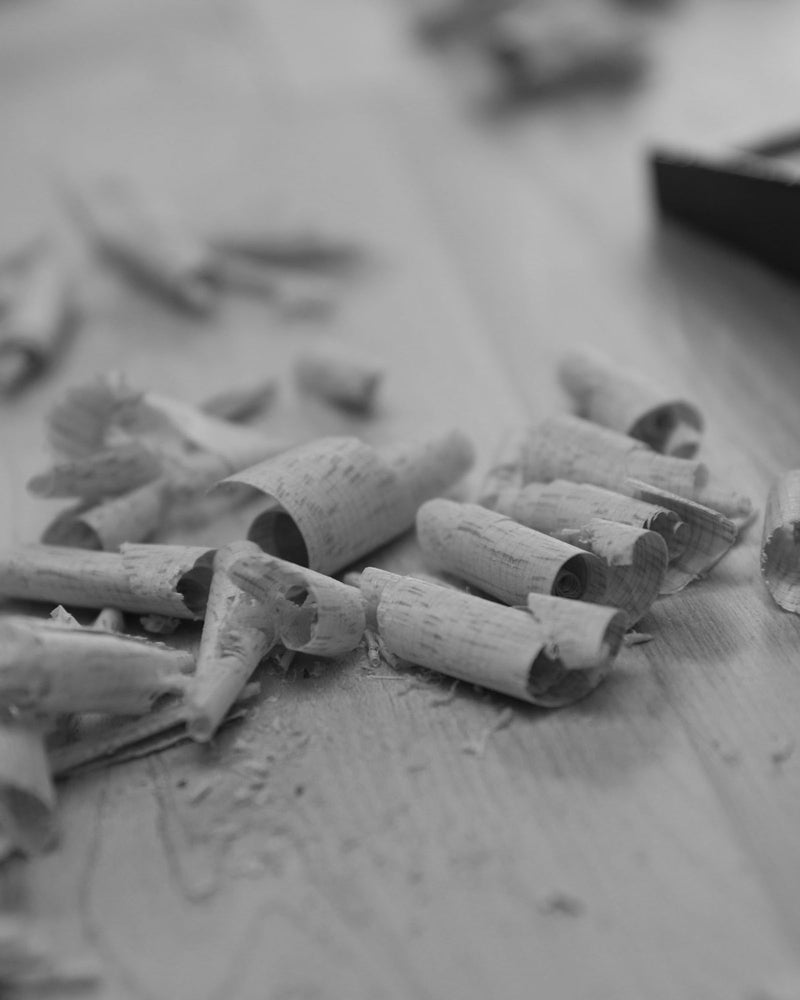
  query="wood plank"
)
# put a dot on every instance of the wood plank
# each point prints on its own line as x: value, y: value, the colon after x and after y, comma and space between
x: 584, y: 853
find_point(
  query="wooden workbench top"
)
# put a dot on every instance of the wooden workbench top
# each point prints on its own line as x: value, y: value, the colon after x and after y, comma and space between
x: 401, y: 838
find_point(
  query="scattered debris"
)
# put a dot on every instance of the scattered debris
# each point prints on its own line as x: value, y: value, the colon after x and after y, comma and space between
x: 560, y: 903
x: 637, y: 638
x: 477, y: 746
x: 783, y: 752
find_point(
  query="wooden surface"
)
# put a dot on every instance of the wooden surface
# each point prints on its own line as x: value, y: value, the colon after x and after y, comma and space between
x: 373, y: 835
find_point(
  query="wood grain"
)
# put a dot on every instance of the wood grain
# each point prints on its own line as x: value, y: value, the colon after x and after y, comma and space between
x: 376, y: 833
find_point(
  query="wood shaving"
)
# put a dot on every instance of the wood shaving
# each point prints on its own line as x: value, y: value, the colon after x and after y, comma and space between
x: 625, y: 401
x: 336, y: 499
x: 339, y: 376
x: 505, y: 649
x: 37, y: 314
x: 504, y: 558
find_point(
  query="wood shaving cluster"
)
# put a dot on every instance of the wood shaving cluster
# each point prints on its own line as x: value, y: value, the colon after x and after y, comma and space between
x: 531, y: 591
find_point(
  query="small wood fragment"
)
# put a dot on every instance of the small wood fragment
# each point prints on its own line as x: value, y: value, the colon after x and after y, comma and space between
x: 105, y: 473
x: 625, y: 401
x: 238, y: 632
x: 339, y: 376
x: 111, y: 741
x: 49, y: 668
x: 505, y: 558
x: 107, y: 412
x: 316, y: 614
x: 37, y: 314
x: 509, y: 467
x: 242, y: 402
x: 170, y: 580
x: 132, y: 517
x: 336, y: 499
x: 556, y: 47
x: 146, y: 243
x: 109, y: 620
x: 505, y: 649
x: 295, y: 251
x: 780, y: 544
x: 27, y: 795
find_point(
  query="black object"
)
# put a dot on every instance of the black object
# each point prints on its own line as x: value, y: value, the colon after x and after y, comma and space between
x: 746, y: 198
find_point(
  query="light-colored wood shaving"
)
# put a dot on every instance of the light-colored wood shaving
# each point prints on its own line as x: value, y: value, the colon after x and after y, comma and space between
x: 339, y: 376
x: 145, y: 241
x: 106, y: 473
x: 504, y: 558
x: 238, y: 632
x: 478, y: 641
x: 337, y: 499
x: 51, y: 668
x: 27, y: 795
x: 242, y: 402
x: 625, y: 401
x: 316, y: 614
x: 37, y: 313
x: 709, y: 535
x: 780, y: 544
x: 562, y: 505
x: 636, y: 561
x: 170, y: 580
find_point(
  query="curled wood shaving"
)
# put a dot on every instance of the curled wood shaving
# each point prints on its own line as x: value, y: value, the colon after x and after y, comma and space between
x: 566, y: 447
x: 145, y: 242
x: 316, y: 614
x: 51, y: 668
x: 780, y: 551
x: 339, y: 376
x: 336, y: 499
x: 242, y: 402
x: 708, y: 536
x: 561, y: 506
x: 27, y: 796
x: 625, y: 401
x: 170, y: 580
x: 37, y: 314
x: 505, y: 649
x: 238, y: 632
x: 505, y: 558
x: 106, y: 473
x: 636, y: 561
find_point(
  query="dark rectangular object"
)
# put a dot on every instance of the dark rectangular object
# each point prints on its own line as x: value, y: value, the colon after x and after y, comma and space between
x: 743, y: 198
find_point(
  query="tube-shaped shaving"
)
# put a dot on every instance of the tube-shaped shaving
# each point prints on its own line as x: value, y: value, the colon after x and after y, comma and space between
x: 51, y: 668
x: 565, y: 447
x: 478, y: 641
x: 159, y: 579
x: 316, y: 614
x: 625, y: 401
x: 560, y: 505
x: 336, y: 499
x: 237, y: 634
x: 504, y: 558
x: 780, y: 545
